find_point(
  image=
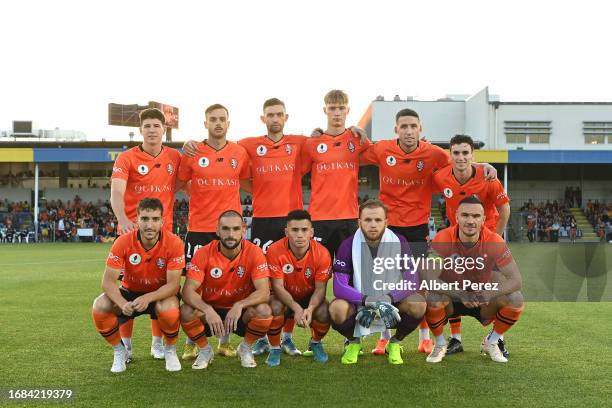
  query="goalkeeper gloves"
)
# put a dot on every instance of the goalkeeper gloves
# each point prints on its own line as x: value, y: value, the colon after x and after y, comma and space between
x: 366, y: 316
x: 388, y: 313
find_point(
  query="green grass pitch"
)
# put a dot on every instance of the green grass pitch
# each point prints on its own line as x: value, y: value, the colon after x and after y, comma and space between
x: 561, y: 352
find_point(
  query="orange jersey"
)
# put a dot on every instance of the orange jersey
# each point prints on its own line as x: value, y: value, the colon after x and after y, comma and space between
x: 276, y: 173
x: 299, y: 275
x: 406, y: 179
x: 145, y: 271
x: 333, y: 162
x: 491, y: 193
x: 490, y: 251
x: 215, y: 183
x: 148, y: 176
x: 224, y: 281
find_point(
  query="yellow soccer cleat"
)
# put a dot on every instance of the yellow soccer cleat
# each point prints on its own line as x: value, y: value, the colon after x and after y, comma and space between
x: 190, y: 352
x: 226, y: 350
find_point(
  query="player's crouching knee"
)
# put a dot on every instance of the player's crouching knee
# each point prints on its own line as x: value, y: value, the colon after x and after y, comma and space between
x: 166, y: 304
x: 339, y: 310
x: 277, y: 307
x: 321, y: 313
x: 263, y: 311
x: 187, y: 313
x: 102, y: 304
x: 515, y: 299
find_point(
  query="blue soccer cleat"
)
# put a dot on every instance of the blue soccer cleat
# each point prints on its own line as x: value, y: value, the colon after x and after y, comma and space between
x: 261, y: 346
x: 289, y: 347
x: 274, y: 357
x: 319, y: 354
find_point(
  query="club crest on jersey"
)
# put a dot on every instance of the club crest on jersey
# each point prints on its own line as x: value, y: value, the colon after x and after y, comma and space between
x: 216, y: 272
x: 351, y: 147
x: 143, y: 169
x: 322, y: 148
x: 135, y: 259
x: 240, y: 271
x: 420, y: 165
x: 203, y: 162
x: 234, y: 163
x: 448, y: 193
x: 261, y: 150
x: 308, y: 273
x: 288, y: 149
x: 391, y: 161
x: 161, y: 262
x: 170, y: 169
x: 287, y: 268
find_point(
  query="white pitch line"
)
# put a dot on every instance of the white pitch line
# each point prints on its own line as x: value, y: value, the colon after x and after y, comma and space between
x: 52, y: 262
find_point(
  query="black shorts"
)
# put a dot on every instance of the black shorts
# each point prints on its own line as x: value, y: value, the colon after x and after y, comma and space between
x: 196, y: 240
x: 129, y: 296
x: 459, y: 309
x: 303, y: 303
x: 416, y: 237
x: 240, y: 330
x: 331, y: 233
x: 265, y: 231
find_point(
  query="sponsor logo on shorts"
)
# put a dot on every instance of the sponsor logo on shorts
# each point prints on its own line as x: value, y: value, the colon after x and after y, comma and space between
x: 391, y: 161
x: 216, y: 272
x: 203, y: 161
x: 287, y: 268
x: 448, y: 193
x: 261, y: 150
x: 142, y: 169
x: 321, y: 148
x: 135, y: 259
x: 161, y: 262
x: 420, y: 165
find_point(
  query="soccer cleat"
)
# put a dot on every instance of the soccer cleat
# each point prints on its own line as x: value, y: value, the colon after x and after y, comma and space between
x: 246, y: 355
x: 226, y: 350
x: 351, y: 353
x: 425, y: 346
x: 157, y: 351
x: 395, y: 353
x: 381, y: 344
x: 437, y: 354
x: 204, y: 358
x: 261, y: 346
x: 502, y: 347
x: 289, y: 347
x: 119, y: 360
x: 128, y: 355
x: 320, y: 356
x: 172, y: 360
x: 454, y: 346
x: 492, y: 349
x: 308, y: 352
x: 274, y: 357
x: 346, y: 343
x: 190, y: 351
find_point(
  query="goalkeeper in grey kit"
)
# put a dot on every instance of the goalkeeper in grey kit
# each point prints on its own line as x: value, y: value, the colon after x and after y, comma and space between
x: 362, y: 297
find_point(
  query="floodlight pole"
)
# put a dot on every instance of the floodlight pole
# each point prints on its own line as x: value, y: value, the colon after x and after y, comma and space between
x: 36, y: 202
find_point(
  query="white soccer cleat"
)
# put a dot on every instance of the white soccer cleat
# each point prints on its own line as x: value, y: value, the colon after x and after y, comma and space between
x: 492, y: 349
x: 437, y: 354
x: 128, y: 355
x: 119, y: 360
x: 246, y: 356
x: 157, y: 350
x: 172, y: 360
x: 204, y: 358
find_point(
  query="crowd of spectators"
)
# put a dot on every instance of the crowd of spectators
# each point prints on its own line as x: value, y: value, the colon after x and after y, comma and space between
x: 599, y: 215
x: 548, y: 221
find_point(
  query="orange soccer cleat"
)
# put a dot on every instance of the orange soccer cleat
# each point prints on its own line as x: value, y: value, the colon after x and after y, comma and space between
x: 425, y: 346
x: 381, y: 345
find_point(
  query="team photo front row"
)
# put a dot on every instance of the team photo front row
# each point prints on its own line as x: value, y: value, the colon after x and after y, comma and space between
x: 380, y: 282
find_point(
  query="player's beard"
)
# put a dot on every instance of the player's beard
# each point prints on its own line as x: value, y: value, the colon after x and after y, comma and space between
x: 275, y: 128
x: 230, y: 247
x: 378, y: 236
x: 217, y: 133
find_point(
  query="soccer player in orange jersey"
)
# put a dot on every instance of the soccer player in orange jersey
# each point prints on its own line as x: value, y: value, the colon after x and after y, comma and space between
x: 299, y: 268
x: 215, y: 173
x: 151, y: 262
x: 475, y: 276
x: 457, y: 181
x: 333, y: 162
x: 147, y: 170
x: 227, y: 290
x: 406, y: 166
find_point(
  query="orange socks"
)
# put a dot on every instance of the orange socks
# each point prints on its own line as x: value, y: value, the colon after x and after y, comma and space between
x: 318, y: 330
x: 289, y: 325
x: 436, y: 318
x: 423, y: 325
x: 168, y: 323
x: 455, y: 325
x: 155, y: 328
x: 126, y: 329
x: 108, y: 326
x: 257, y: 328
x: 275, y: 330
x: 196, y: 332
x: 505, y: 318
